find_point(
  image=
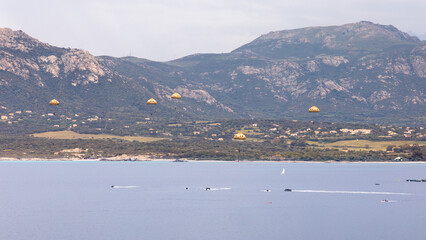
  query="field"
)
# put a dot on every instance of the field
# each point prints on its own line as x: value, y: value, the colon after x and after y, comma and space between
x: 364, y: 145
x: 74, y: 135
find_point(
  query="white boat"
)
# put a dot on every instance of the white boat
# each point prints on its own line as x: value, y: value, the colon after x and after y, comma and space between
x: 283, y: 171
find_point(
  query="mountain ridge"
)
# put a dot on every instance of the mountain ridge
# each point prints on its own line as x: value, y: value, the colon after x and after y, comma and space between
x: 378, y: 77
x: 356, y: 37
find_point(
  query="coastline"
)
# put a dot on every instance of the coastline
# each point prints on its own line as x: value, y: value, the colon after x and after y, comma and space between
x: 145, y: 158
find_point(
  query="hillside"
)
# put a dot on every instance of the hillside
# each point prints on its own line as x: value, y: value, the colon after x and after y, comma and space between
x: 354, y: 72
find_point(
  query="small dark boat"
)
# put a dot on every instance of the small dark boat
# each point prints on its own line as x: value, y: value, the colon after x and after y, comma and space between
x: 287, y: 190
x: 416, y: 180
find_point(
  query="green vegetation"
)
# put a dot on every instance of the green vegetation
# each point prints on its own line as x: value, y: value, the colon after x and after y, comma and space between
x: 266, y: 140
x: 365, y: 145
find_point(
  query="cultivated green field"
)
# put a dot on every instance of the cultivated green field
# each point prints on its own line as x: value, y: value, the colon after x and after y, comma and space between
x: 74, y: 135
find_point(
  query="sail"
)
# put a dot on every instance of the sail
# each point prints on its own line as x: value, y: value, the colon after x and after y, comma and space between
x: 283, y: 171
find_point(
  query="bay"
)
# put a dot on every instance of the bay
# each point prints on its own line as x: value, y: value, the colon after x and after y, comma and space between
x: 165, y: 200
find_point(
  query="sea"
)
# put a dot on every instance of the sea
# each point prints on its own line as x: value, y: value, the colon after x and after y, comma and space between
x: 58, y: 200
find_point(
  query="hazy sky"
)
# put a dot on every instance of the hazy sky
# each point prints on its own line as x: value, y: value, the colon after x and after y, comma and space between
x: 168, y: 29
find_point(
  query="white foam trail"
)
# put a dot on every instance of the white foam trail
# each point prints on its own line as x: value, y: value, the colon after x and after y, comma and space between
x: 350, y: 192
x: 124, y: 186
x: 219, y: 189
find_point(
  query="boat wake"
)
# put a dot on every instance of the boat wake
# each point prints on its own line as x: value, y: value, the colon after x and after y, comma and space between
x: 350, y: 192
x: 124, y: 186
x: 218, y: 189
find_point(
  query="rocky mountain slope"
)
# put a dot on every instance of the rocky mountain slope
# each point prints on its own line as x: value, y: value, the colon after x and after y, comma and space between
x: 354, y: 72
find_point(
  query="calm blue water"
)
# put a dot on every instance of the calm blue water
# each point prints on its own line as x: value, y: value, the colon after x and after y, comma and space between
x: 74, y: 200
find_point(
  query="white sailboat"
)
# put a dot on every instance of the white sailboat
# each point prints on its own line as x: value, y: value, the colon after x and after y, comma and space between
x: 283, y: 171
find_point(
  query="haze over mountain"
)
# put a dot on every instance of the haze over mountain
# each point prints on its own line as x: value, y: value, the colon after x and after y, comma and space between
x: 354, y: 72
x: 421, y: 36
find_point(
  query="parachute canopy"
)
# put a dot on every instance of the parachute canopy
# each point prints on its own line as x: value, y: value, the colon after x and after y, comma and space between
x: 151, y: 101
x: 54, y: 102
x: 314, y: 109
x: 176, y: 96
x: 239, y: 136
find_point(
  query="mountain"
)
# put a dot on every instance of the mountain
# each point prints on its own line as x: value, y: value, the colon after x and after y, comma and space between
x: 354, y: 72
x: 351, y: 72
x: 32, y: 73
x: 350, y: 39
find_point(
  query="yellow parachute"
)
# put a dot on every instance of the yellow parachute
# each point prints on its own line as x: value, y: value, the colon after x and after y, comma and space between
x: 314, y: 109
x: 151, y: 101
x: 176, y: 96
x: 239, y: 136
x: 54, y: 102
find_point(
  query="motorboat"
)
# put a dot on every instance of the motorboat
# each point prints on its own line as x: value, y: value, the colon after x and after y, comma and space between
x: 416, y: 180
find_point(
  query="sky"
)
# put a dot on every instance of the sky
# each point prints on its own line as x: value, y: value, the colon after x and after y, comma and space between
x: 164, y: 30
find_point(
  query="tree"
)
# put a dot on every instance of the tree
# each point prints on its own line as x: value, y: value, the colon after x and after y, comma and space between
x: 299, y: 143
x: 417, y: 153
x: 390, y: 148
